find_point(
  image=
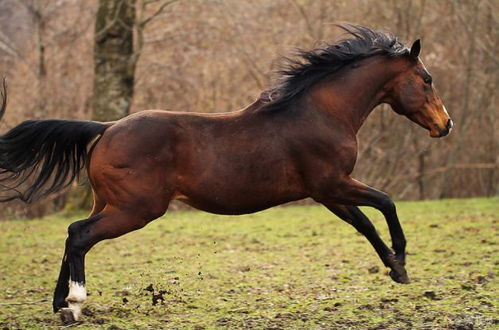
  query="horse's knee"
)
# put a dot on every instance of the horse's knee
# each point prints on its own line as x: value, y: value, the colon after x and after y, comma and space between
x: 386, y: 205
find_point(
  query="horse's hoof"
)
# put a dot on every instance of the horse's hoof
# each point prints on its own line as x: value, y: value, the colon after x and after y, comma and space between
x: 402, y: 278
x: 67, y: 316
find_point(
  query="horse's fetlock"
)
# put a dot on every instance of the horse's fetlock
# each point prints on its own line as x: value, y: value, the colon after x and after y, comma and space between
x: 77, y: 293
x: 390, y: 259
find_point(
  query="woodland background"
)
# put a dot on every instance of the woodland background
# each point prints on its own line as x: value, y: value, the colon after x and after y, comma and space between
x: 69, y: 59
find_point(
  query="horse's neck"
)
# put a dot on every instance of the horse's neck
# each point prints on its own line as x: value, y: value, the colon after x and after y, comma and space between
x: 352, y: 96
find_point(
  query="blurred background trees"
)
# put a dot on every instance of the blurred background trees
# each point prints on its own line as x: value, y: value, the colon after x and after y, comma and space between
x: 218, y: 55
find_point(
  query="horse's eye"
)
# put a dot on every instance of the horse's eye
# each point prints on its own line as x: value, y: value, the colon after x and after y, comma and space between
x: 427, y: 80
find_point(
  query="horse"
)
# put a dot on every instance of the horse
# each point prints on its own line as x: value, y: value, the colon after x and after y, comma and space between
x: 297, y: 140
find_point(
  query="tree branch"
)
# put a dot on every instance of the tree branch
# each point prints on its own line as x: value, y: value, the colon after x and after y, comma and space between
x: 165, y: 4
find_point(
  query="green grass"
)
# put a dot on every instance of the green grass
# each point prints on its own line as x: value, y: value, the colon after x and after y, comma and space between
x: 288, y: 267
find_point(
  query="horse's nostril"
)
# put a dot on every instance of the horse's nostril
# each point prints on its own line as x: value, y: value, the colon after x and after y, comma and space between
x: 449, y: 124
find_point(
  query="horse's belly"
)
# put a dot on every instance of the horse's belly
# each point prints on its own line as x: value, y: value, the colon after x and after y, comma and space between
x: 237, y: 201
x: 238, y: 180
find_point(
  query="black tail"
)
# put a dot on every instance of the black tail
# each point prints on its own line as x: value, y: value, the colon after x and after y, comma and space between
x: 39, y: 157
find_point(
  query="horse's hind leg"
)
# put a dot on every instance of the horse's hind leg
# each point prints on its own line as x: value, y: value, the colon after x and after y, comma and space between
x: 82, y: 235
x: 62, y: 289
x: 99, y: 204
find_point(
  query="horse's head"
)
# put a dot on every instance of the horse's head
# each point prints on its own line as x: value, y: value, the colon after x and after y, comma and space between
x: 411, y: 94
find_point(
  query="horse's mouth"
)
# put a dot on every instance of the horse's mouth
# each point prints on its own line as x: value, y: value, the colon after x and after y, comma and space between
x: 437, y: 132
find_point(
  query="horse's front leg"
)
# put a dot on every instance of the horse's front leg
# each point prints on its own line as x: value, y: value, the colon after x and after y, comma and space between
x: 352, y: 192
x: 62, y: 288
x: 354, y: 216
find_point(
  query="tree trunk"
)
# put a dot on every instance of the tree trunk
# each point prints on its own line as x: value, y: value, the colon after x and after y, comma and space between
x: 114, y: 65
x: 114, y: 70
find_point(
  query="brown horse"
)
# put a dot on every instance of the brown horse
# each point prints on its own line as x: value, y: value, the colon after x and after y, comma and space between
x: 297, y: 140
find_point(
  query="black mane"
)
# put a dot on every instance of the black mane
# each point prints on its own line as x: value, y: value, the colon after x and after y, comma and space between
x: 299, y: 74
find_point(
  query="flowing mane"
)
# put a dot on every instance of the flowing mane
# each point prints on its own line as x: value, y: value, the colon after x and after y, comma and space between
x: 309, y: 67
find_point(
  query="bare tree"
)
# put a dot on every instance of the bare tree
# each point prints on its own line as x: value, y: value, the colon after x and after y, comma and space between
x: 118, y: 44
x: 113, y: 59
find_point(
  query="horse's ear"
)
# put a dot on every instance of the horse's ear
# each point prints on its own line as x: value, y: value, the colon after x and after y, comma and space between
x: 415, y: 49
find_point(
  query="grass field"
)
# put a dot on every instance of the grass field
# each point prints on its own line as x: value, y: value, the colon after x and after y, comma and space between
x: 288, y: 267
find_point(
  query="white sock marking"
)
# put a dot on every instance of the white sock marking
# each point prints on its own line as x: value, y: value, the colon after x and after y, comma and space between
x: 76, y: 297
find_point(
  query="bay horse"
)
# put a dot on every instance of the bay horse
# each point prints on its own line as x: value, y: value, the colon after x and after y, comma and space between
x: 297, y: 140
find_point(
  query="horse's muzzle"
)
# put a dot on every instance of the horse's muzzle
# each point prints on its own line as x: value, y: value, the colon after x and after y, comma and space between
x: 447, y: 128
x: 438, y: 132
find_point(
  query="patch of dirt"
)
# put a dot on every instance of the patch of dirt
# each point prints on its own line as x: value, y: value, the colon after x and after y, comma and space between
x: 149, y: 288
x: 243, y: 269
x: 114, y: 327
x: 158, y: 296
x: 431, y: 295
x: 155, y: 297
x: 367, y: 306
x: 87, y: 311
x: 224, y: 321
